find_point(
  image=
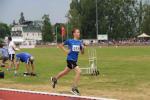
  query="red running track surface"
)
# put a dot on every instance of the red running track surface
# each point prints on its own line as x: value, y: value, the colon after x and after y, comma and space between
x: 12, y: 94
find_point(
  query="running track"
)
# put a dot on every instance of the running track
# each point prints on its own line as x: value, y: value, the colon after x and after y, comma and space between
x: 13, y: 94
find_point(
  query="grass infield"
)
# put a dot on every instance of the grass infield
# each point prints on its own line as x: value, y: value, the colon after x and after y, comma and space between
x: 124, y: 73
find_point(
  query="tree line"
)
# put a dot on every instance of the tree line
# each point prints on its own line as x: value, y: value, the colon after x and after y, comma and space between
x: 120, y: 19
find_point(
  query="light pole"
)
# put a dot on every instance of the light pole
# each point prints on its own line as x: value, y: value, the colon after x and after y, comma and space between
x: 67, y: 29
x: 68, y: 16
x: 96, y: 20
x: 56, y: 34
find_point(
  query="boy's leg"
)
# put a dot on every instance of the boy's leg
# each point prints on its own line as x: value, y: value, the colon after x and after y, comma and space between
x: 1, y: 64
x: 62, y: 73
x: 76, y: 80
x: 10, y: 65
x: 12, y: 62
x: 27, y: 68
x: 77, y: 76
x: 59, y: 75
x: 17, y: 64
x: 4, y: 59
x: 10, y: 58
x: 28, y: 72
x: 32, y: 69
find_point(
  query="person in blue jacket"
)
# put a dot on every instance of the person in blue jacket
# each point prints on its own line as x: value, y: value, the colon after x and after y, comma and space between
x: 4, y: 55
x: 28, y: 59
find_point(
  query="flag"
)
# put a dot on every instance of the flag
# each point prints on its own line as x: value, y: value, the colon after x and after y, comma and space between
x: 63, y: 31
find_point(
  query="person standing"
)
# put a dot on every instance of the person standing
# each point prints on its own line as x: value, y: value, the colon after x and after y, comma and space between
x: 11, y: 50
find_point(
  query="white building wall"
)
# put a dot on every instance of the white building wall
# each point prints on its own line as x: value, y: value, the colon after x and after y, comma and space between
x: 17, y: 28
x: 30, y: 37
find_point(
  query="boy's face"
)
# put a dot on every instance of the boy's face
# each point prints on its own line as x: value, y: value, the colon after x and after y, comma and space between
x: 77, y: 34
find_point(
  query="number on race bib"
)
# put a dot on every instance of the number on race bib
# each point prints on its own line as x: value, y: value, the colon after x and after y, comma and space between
x: 76, y: 48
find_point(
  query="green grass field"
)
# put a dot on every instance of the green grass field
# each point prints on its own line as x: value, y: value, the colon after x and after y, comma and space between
x: 124, y: 73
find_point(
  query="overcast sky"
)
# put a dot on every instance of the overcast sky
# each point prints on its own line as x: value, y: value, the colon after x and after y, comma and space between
x: 33, y: 10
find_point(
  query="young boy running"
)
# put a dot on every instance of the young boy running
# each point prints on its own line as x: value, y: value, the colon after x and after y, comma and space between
x: 75, y: 46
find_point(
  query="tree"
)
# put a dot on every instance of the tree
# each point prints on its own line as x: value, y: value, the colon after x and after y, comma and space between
x: 4, y: 30
x: 47, y: 35
x: 146, y: 19
x: 82, y: 14
x: 140, y: 16
x: 117, y: 18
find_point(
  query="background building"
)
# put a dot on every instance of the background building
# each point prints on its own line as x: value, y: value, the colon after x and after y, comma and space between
x: 28, y: 33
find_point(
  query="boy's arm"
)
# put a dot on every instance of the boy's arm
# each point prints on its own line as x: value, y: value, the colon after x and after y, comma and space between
x: 15, y: 48
x: 61, y: 46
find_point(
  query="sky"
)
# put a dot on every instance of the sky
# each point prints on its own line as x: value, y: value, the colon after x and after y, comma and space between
x: 34, y: 10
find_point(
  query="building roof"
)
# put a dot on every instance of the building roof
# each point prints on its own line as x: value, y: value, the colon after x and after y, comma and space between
x: 31, y: 29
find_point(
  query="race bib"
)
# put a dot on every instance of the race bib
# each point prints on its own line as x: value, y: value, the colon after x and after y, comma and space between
x: 76, y: 48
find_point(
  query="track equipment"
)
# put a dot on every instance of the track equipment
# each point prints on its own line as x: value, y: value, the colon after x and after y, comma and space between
x: 92, y: 67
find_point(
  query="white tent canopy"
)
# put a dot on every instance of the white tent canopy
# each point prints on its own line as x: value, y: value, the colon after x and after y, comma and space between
x: 143, y: 35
